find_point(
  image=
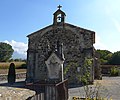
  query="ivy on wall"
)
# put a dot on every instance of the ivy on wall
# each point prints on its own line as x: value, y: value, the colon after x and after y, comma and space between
x: 71, y: 72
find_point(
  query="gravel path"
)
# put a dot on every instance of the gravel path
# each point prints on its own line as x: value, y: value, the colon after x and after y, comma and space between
x: 110, y: 88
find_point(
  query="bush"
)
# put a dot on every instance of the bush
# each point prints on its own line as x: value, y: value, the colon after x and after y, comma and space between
x: 114, y: 71
x: 23, y: 66
x: 11, y: 74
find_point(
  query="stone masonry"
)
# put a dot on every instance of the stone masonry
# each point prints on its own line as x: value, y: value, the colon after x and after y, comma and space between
x: 77, y: 44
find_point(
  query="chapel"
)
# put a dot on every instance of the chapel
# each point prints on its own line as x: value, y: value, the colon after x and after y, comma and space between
x: 67, y: 43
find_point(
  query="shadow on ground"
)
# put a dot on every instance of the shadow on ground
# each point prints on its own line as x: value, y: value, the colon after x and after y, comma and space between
x: 19, y: 84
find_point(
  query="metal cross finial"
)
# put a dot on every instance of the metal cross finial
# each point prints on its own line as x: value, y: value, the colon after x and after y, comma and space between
x: 59, y: 6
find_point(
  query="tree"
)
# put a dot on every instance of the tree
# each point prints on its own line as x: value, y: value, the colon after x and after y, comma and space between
x: 11, y: 74
x: 115, y: 59
x: 6, y: 52
x: 105, y: 56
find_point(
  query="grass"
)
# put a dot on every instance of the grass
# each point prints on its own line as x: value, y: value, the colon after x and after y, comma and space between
x: 5, y: 65
x: 20, y: 67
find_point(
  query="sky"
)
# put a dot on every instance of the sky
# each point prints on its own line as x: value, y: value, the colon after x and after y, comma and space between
x: 19, y: 18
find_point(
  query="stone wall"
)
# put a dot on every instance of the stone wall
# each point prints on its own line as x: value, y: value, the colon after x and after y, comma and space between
x: 77, y: 44
x: 13, y: 93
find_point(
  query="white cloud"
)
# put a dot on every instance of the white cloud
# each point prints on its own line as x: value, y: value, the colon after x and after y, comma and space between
x: 98, y: 44
x: 18, y: 47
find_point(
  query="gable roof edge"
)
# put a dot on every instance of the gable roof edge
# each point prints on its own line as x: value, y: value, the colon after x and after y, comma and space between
x: 65, y: 24
x: 39, y: 30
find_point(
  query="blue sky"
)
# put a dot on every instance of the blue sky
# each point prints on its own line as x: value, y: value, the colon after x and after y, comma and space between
x: 18, y: 18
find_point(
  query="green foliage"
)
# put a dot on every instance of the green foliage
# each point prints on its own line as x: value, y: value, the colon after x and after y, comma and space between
x: 115, y: 59
x: 105, y: 56
x: 109, y: 56
x: 103, y: 53
x: 114, y: 71
x: 84, y: 80
x: 11, y: 74
x: 71, y: 66
x: 102, y: 61
x: 6, y: 52
x: 86, y: 69
x: 69, y: 69
x: 85, y: 74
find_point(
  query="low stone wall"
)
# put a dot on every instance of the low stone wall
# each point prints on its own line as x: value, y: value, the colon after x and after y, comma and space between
x: 15, y: 93
x: 3, y: 77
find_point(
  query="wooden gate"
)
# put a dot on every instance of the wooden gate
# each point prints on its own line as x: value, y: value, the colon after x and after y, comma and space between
x: 57, y: 91
x: 37, y: 97
x: 62, y: 90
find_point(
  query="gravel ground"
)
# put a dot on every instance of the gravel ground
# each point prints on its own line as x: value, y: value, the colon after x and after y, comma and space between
x: 110, y: 88
x: 15, y: 91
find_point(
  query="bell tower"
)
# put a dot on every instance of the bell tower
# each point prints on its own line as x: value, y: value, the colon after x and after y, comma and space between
x: 59, y: 16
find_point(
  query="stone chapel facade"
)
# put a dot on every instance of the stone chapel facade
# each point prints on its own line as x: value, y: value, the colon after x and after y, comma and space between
x: 77, y: 45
